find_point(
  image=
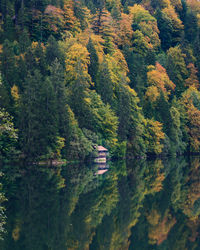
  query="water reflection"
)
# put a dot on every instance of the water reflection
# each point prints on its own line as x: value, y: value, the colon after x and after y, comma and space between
x: 133, y: 205
x: 2, y: 211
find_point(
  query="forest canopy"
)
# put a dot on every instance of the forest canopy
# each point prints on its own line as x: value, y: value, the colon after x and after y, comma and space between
x: 122, y: 74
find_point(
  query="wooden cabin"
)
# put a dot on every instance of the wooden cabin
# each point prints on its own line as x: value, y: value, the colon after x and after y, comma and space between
x: 102, y: 152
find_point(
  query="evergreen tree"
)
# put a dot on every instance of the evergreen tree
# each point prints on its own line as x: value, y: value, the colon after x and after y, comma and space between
x: 94, y: 60
x: 8, y: 63
x: 24, y: 41
x: 175, y: 134
x: 191, y: 26
x: 162, y: 113
x: 53, y: 51
x: 57, y: 79
x: 82, y: 13
x: 38, y: 127
x: 104, y: 84
x: 4, y: 96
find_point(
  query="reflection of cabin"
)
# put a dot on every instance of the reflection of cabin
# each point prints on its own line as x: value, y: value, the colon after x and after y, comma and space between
x: 102, y: 153
x: 101, y: 171
x: 102, y: 168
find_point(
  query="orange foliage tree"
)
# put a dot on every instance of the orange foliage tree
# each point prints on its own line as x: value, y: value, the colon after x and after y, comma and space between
x: 124, y: 31
x: 159, y: 81
x: 54, y: 20
x: 71, y: 22
x: 192, y: 80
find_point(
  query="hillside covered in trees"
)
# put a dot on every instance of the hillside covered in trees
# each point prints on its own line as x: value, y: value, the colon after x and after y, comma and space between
x: 122, y: 74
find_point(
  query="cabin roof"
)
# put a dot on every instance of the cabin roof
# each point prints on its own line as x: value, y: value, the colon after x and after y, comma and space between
x: 101, y: 148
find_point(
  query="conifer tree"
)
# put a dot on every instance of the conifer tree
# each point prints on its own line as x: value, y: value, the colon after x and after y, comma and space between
x: 94, y: 60
x: 8, y: 63
x: 37, y: 119
x: 53, y: 51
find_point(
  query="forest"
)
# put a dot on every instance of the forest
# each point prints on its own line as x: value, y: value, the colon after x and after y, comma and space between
x: 119, y: 73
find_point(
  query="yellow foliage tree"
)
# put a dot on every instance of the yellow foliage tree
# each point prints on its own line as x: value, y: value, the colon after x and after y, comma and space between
x: 152, y: 94
x: 172, y: 15
x: 147, y: 25
x: 153, y: 136
x: 77, y: 57
x: 158, y: 80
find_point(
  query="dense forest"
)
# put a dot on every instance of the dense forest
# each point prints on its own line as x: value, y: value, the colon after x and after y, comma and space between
x: 122, y: 74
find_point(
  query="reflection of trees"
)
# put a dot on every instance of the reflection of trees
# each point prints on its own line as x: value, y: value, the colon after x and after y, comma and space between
x: 141, y: 179
x: 178, y: 173
x: 2, y: 211
x: 90, y: 210
x: 184, y: 195
x: 48, y: 211
x: 33, y: 221
x: 114, y: 231
x: 159, y: 226
x: 153, y: 224
x: 167, y: 219
x: 78, y: 180
x: 141, y: 205
x: 187, y: 201
x: 192, y: 204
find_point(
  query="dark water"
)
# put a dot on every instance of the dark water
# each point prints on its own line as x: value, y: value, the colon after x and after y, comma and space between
x: 135, y: 205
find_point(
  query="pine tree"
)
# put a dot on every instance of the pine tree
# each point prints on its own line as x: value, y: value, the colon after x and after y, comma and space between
x: 102, y: 26
x: 8, y: 63
x: 53, y: 51
x: 163, y: 113
x: 24, y: 41
x: 104, y: 85
x: 37, y: 118
x: 57, y: 79
x: 94, y: 60
x: 82, y: 14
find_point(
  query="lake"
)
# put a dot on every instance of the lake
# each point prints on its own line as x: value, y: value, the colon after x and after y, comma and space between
x: 138, y: 204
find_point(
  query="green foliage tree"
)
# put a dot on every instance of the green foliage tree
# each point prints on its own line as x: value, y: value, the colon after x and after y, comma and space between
x: 94, y: 60
x: 170, y: 27
x: 8, y: 137
x: 37, y: 119
x: 176, y: 135
x: 8, y: 63
x: 176, y: 68
x: 131, y: 121
x: 146, y: 32
x: 95, y: 63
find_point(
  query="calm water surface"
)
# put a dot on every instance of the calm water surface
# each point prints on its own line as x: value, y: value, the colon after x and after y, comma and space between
x: 135, y: 205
